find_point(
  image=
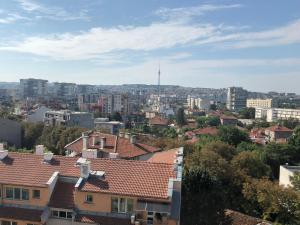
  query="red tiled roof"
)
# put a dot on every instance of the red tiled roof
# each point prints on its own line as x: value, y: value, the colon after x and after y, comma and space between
x: 103, y: 220
x: 126, y: 177
x: 278, y: 128
x: 164, y: 157
x: 120, y: 145
x: 237, y: 218
x: 207, y: 131
x: 157, y: 120
x: 63, y: 195
x: 12, y: 213
x: 193, y: 140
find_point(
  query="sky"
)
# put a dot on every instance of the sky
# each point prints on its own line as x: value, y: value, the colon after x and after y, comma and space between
x: 212, y: 43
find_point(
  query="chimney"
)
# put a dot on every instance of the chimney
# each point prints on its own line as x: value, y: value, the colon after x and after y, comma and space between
x: 113, y: 155
x: 39, y: 150
x: 133, y: 139
x: 121, y: 134
x: 3, y: 154
x: 85, y: 141
x: 89, y: 154
x: 85, y: 169
x: 127, y: 135
x: 1, y: 146
x: 95, y: 140
x: 102, y: 142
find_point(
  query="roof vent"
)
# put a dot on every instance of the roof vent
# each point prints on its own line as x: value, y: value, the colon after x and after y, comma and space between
x: 48, y: 156
x: 113, y: 155
x: 90, y: 153
x: 85, y: 169
x: 3, y: 154
x: 80, y: 161
x: 99, y: 174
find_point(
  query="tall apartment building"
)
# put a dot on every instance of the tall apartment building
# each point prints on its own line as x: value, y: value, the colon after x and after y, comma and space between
x: 43, y: 189
x: 260, y: 103
x: 200, y: 103
x: 110, y: 103
x: 33, y: 88
x: 236, y: 98
x: 86, y: 102
x: 64, y: 90
x: 69, y: 118
x: 274, y: 114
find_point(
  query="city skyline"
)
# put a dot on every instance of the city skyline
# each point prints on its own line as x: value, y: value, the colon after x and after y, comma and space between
x: 198, y: 43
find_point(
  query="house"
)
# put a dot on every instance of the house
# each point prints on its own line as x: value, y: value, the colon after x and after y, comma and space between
x: 212, y: 131
x: 237, y: 218
x: 106, y: 126
x: 10, y: 132
x: 257, y: 135
x: 285, y: 174
x: 168, y: 156
x: 228, y: 120
x: 158, y: 122
x: 278, y: 133
x: 45, y: 189
x: 37, y: 115
x: 101, y: 145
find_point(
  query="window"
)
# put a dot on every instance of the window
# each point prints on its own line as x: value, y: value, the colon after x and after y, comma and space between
x: 5, y: 222
x: 9, y: 194
x: 121, y: 205
x: 36, y: 194
x: 17, y: 193
x: 25, y: 194
x: 89, y: 198
x: 61, y: 214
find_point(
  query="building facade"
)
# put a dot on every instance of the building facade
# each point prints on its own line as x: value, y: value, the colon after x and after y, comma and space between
x: 33, y: 88
x: 71, y: 190
x: 198, y: 103
x: 236, y: 98
x: 260, y: 103
x: 69, y: 118
x: 274, y: 114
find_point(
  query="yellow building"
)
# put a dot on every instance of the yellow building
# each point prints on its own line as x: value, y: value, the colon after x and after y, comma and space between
x: 259, y: 103
x: 41, y: 188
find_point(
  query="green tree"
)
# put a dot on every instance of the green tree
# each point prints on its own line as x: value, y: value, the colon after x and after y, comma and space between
x: 250, y: 164
x: 180, y: 117
x: 117, y: 116
x: 296, y: 181
x: 232, y: 135
x: 247, y: 113
x: 31, y: 134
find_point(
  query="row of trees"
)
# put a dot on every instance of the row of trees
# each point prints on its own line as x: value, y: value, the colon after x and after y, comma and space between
x: 221, y: 174
x: 54, y: 138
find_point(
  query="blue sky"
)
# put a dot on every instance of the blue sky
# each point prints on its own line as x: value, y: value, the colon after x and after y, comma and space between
x: 217, y: 43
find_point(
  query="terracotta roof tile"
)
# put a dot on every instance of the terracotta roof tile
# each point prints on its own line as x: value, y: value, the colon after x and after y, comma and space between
x: 278, y: 128
x: 164, y: 157
x: 237, y: 218
x: 20, y: 214
x: 103, y: 220
x: 120, y: 145
x: 126, y: 177
x: 157, y: 120
x: 63, y: 195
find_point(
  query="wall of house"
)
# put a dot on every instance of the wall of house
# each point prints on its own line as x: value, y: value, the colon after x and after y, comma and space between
x: 23, y: 222
x: 41, y: 202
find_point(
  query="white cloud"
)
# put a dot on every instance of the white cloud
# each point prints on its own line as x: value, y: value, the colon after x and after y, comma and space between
x: 97, y: 41
x: 11, y: 18
x: 188, y: 12
x: 50, y: 12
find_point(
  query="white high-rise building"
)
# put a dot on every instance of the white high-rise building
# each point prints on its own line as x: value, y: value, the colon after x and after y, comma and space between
x: 236, y: 98
x: 274, y: 114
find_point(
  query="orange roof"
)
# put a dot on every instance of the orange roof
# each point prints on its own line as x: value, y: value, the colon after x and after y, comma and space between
x: 164, y: 157
x: 124, y: 177
x: 157, y: 120
x: 278, y: 128
x: 207, y: 131
x: 103, y: 220
x: 116, y: 144
x: 238, y: 218
x: 63, y: 195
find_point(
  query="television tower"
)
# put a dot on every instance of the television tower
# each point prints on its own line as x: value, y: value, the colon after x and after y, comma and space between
x: 158, y: 84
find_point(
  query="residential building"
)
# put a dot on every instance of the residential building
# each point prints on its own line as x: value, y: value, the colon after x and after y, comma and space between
x: 285, y: 174
x: 236, y: 98
x: 64, y: 90
x: 158, y: 122
x: 33, y: 88
x: 274, y: 114
x: 106, y: 126
x: 101, y: 145
x: 10, y: 132
x: 198, y: 103
x: 88, y: 102
x: 278, y: 133
x: 69, y: 118
x: 110, y: 103
x: 37, y: 115
x: 228, y: 120
x: 260, y: 103
x: 45, y: 189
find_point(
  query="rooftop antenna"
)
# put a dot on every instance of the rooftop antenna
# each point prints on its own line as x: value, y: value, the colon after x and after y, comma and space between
x: 158, y: 85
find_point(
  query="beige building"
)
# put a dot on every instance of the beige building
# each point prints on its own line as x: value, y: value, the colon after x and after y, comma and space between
x: 259, y: 103
x: 286, y: 172
x: 274, y: 114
